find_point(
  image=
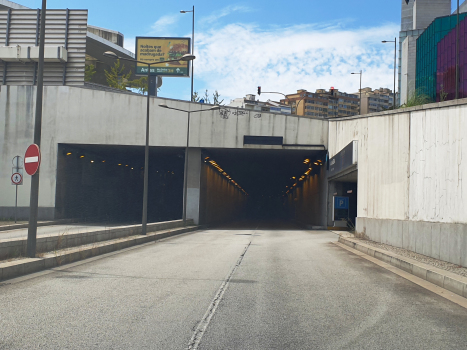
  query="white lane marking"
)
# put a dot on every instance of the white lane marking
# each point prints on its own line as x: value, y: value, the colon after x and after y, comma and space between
x: 31, y: 160
x: 204, y: 323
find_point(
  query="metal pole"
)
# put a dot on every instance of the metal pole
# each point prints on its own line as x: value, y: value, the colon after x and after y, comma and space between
x: 185, y: 175
x: 16, y: 202
x: 394, y: 94
x: 457, y: 52
x: 34, y: 198
x: 192, y: 52
x: 146, y: 163
x: 360, y: 112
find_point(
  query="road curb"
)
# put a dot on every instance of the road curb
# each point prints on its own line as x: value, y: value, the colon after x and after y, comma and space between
x: 442, y: 278
x: 30, y: 265
x: 40, y: 223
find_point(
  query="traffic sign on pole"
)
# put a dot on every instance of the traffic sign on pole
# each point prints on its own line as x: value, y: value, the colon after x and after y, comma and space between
x: 17, y: 179
x: 32, y: 159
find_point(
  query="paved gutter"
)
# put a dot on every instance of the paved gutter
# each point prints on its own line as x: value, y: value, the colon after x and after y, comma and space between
x: 442, y: 278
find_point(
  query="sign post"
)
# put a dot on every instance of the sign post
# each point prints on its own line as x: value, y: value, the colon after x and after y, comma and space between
x: 17, y: 179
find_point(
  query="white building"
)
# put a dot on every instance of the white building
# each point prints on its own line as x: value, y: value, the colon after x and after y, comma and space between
x: 249, y: 102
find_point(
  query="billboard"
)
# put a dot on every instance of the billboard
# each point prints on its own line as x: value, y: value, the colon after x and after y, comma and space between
x: 153, y: 50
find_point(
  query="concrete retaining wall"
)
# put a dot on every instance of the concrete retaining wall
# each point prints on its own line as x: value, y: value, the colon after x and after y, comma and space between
x: 442, y: 241
x: 410, y: 177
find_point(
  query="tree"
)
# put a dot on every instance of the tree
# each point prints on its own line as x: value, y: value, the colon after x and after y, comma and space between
x: 195, y: 97
x: 116, y: 78
x: 89, y: 72
x: 417, y: 98
x: 216, y: 96
x: 141, y: 85
x: 206, y: 97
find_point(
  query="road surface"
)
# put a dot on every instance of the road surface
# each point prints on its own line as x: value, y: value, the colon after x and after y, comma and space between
x: 228, y: 289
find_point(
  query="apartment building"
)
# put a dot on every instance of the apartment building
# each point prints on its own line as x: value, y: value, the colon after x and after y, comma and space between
x: 376, y: 100
x: 326, y: 104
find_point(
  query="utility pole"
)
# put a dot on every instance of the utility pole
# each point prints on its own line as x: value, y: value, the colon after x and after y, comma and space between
x: 34, y: 198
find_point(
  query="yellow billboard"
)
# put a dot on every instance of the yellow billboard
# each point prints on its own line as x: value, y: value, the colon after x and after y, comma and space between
x: 154, y: 50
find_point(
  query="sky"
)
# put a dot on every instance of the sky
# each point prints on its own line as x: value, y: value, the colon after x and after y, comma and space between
x: 281, y: 46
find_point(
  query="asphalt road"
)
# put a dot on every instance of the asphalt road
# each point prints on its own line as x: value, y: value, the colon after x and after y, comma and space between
x: 288, y: 289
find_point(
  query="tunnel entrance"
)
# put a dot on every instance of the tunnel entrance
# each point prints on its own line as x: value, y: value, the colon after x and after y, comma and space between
x: 105, y: 183
x: 279, y: 185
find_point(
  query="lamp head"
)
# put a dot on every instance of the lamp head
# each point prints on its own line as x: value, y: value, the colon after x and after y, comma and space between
x: 111, y: 54
x: 187, y: 57
x: 182, y: 11
x: 384, y: 41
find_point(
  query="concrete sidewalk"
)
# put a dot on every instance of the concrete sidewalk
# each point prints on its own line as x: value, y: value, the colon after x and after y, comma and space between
x: 442, y: 278
x: 23, y: 266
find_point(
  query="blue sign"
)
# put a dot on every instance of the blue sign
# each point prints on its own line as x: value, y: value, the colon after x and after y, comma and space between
x: 341, y: 203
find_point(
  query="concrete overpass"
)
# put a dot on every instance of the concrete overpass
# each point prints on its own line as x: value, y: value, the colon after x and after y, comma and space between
x: 92, y: 155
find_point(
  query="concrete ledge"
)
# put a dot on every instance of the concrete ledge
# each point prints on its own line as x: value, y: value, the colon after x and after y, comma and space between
x: 40, y: 223
x: 442, y: 278
x: 26, y: 266
x: 11, y: 248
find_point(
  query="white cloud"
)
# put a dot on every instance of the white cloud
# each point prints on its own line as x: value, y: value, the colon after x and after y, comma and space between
x: 164, y: 25
x: 237, y: 58
x: 223, y: 13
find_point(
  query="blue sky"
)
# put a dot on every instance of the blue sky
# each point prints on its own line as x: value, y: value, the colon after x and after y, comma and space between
x: 280, y: 45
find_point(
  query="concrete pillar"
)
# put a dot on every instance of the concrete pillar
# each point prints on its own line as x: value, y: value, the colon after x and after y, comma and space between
x: 193, y: 184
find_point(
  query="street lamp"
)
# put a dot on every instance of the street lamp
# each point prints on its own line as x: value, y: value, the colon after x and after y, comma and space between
x: 185, y: 175
x: 187, y: 57
x: 34, y: 197
x: 395, y: 50
x: 457, y: 52
x: 360, y: 111
x: 192, y: 48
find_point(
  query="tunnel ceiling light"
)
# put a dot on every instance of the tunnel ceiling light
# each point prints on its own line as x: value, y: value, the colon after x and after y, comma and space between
x: 68, y: 154
x: 306, y: 161
x: 92, y: 161
x: 119, y: 165
x: 126, y: 164
x: 81, y: 156
x: 132, y: 168
x: 316, y: 163
x: 103, y: 161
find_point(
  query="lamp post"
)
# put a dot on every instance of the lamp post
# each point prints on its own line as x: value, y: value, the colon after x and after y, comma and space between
x: 185, y: 175
x: 457, y: 52
x: 34, y: 197
x: 192, y: 48
x: 360, y: 110
x: 187, y: 57
x: 395, y: 51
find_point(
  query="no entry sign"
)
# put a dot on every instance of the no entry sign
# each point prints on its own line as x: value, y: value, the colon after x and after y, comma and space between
x: 32, y: 159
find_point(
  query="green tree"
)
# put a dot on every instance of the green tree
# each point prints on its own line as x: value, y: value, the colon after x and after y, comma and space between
x: 195, y: 97
x: 141, y: 85
x: 89, y: 72
x: 116, y: 78
x: 417, y: 98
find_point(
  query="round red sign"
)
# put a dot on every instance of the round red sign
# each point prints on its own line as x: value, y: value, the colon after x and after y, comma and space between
x: 32, y: 159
